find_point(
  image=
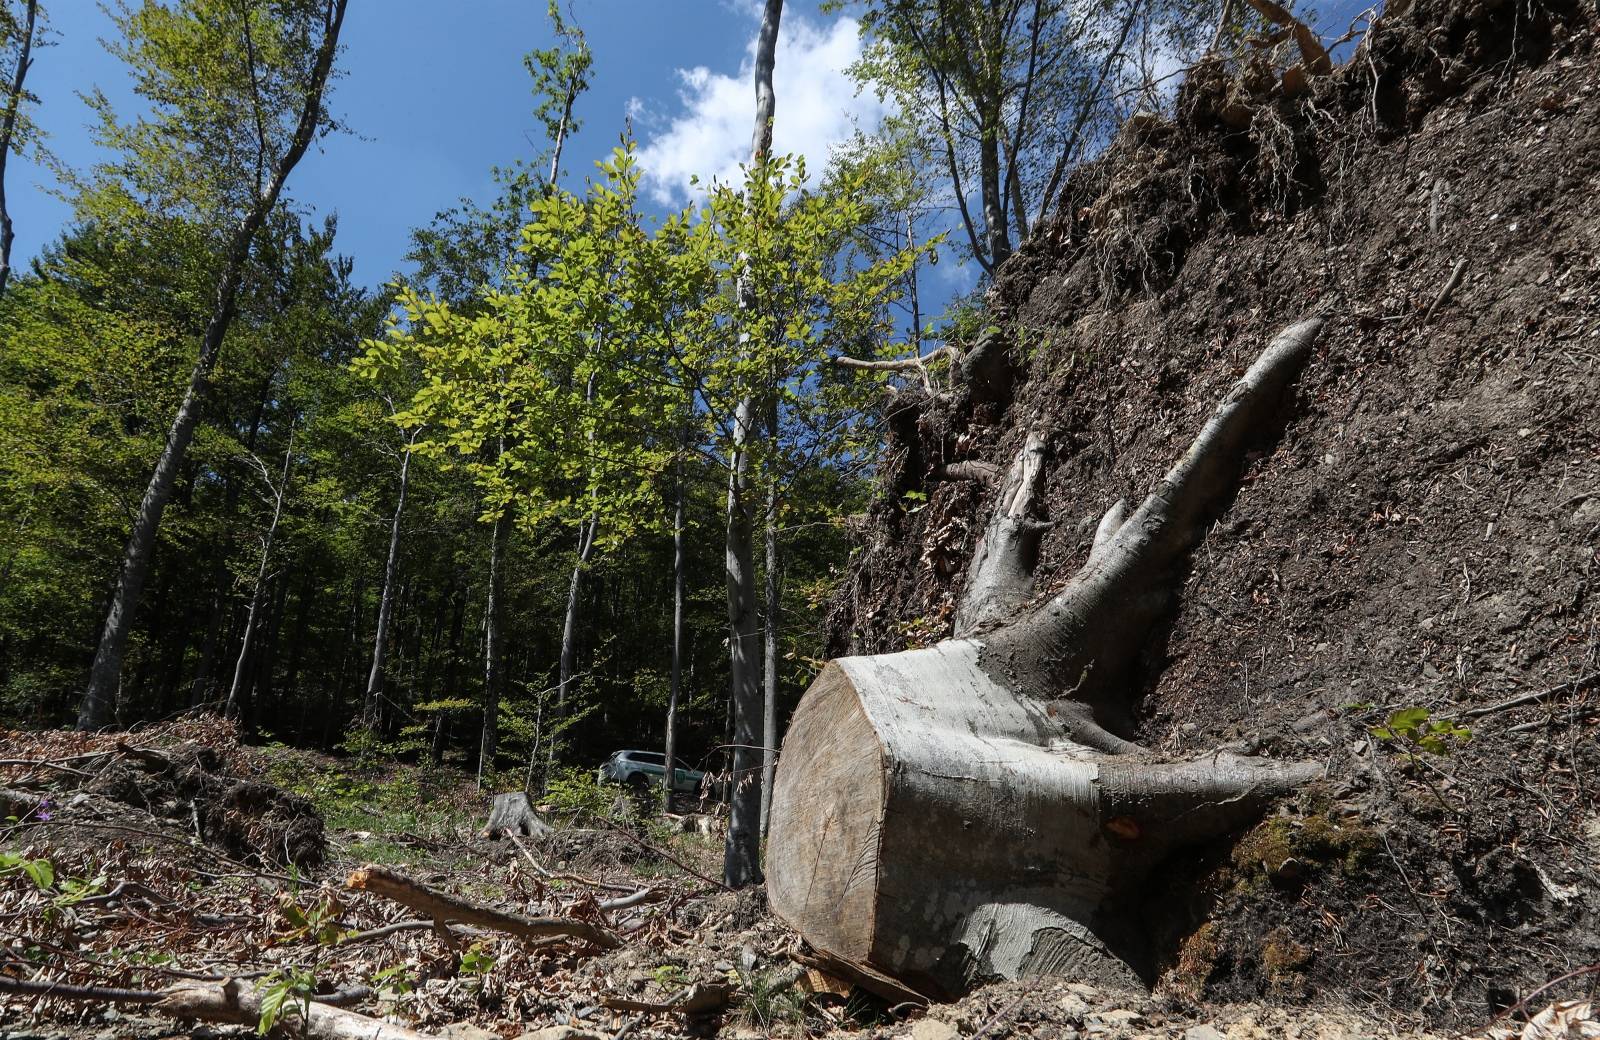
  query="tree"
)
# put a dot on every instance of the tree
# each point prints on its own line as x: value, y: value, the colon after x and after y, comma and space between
x: 17, y: 36
x: 741, y: 863
x: 1006, y: 95
x: 547, y: 389
x: 1012, y: 736
x: 220, y: 142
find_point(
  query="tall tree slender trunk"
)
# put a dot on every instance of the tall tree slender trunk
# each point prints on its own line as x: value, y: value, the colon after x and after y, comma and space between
x: 105, y: 673
x: 741, y: 860
x: 997, y: 239
x: 490, y: 741
x: 202, y: 692
x: 8, y: 134
x: 231, y: 707
x: 380, y: 642
x: 569, y: 628
x: 770, y: 621
x: 677, y: 638
x: 441, y: 729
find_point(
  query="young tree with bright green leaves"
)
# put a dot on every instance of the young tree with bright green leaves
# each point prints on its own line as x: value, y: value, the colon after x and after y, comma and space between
x: 468, y: 246
x: 542, y: 390
x: 236, y: 94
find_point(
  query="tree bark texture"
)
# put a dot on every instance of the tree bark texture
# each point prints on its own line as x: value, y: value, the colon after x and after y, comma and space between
x: 677, y: 640
x: 99, y: 701
x: 974, y: 810
x: 742, y: 853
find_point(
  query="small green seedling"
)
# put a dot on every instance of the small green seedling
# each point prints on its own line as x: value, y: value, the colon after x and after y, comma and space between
x: 282, y: 991
x: 1413, y: 729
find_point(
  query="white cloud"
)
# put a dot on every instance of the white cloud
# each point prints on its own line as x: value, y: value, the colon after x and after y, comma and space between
x: 817, y: 107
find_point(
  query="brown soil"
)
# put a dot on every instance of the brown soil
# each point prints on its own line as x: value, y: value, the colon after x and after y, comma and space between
x: 1423, y: 530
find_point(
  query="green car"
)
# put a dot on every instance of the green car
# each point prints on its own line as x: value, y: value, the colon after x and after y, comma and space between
x: 645, y: 769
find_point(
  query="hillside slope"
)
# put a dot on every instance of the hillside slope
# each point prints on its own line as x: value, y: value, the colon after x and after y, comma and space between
x: 1424, y: 532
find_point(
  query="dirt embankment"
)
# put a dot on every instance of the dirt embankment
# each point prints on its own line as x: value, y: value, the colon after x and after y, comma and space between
x: 1422, y: 532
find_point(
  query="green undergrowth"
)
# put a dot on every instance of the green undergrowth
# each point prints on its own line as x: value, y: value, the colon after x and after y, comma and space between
x: 410, y: 816
x: 388, y: 813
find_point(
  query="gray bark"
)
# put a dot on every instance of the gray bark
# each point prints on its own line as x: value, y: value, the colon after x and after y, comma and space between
x: 677, y: 640
x: 769, y: 655
x: 490, y: 740
x: 741, y: 864
x: 380, y: 641
x: 105, y: 673
x: 231, y: 707
x: 1000, y: 577
x: 8, y: 132
x: 969, y: 811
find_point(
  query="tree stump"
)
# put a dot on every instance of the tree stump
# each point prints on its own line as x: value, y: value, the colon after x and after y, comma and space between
x: 973, y: 810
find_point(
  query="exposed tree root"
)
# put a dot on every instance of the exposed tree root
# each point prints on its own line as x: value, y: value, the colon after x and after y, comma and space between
x: 975, y: 810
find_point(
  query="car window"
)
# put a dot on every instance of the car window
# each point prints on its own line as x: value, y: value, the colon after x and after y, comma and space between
x: 650, y: 758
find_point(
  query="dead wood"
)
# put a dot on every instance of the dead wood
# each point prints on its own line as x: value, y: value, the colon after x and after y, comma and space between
x: 1312, y: 53
x: 975, y: 809
x: 1450, y: 285
x: 862, y: 976
x: 1000, y: 577
x: 702, y: 998
x: 969, y: 469
x: 1571, y: 686
x: 234, y: 1003
x: 513, y: 814
x: 444, y: 907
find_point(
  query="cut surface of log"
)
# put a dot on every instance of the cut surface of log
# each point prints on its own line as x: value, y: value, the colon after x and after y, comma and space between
x: 946, y: 830
x: 974, y: 810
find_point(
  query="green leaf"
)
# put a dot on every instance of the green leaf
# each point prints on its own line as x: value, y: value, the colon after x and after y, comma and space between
x: 1408, y: 719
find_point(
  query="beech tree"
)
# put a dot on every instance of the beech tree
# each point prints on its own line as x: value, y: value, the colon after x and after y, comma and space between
x: 542, y: 390
x: 236, y: 98
x: 1003, y: 97
x: 18, y: 33
x: 1013, y: 735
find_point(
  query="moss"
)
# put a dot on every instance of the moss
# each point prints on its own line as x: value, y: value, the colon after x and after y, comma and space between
x: 1317, y: 839
x: 1197, y: 959
x: 1284, y: 960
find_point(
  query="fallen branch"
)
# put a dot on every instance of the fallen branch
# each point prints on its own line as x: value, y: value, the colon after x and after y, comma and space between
x: 874, y: 982
x: 1571, y: 686
x: 1449, y: 287
x: 444, y: 907
x: 577, y: 879
x: 702, y: 998
x: 669, y: 857
x: 384, y: 931
x: 233, y: 1003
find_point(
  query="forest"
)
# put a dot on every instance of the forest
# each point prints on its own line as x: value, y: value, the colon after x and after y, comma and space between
x: 1183, y: 613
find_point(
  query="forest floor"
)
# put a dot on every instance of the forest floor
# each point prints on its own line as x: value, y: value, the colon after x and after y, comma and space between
x: 175, y: 855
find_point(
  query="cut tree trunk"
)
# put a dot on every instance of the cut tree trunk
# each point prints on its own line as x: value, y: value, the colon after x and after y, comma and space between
x: 974, y: 810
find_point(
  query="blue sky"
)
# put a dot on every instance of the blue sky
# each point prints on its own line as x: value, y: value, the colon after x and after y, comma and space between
x: 436, y: 94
